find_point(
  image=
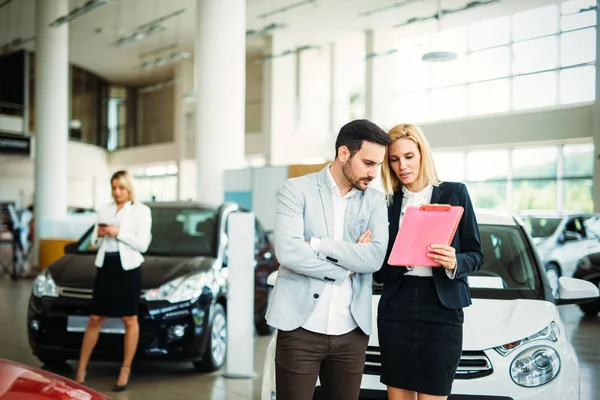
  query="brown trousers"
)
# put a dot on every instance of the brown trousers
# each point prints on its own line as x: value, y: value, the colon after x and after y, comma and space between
x: 301, y: 356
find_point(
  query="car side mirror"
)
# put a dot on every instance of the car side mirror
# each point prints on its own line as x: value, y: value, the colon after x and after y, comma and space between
x: 70, y: 248
x: 576, y: 291
x: 572, y: 236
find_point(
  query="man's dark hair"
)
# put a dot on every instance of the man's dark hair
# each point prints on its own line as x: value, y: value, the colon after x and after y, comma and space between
x: 354, y: 133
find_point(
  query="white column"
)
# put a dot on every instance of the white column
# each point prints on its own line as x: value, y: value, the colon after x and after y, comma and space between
x: 183, y: 105
x: 369, y: 50
x: 51, y: 113
x: 596, y: 123
x: 220, y: 86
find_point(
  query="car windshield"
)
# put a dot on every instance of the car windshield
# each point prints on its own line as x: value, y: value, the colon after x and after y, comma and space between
x: 541, y: 227
x: 176, y: 232
x: 509, y: 270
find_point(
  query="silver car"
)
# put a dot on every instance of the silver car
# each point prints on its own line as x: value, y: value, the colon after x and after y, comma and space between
x: 561, y: 239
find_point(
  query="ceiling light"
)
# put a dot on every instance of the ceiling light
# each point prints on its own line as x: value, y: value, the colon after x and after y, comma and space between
x: 140, y: 34
x: 164, y: 60
x: 439, y: 56
x: 288, y: 52
x: 79, y: 11
x: 284, y: 9
x: 265, y: 29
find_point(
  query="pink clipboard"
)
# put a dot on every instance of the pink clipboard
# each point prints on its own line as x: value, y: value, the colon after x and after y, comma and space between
x: 423, y: 226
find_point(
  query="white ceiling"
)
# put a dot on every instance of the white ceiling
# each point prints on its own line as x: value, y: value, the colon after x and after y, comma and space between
x: 91, y: 35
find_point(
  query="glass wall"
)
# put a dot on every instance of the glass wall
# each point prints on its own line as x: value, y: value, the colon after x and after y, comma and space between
x: 533, y: 59
x: 155, y: 182
x: 548, y: 177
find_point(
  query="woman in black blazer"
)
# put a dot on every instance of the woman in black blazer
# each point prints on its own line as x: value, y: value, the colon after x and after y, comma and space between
x: 420, y: 313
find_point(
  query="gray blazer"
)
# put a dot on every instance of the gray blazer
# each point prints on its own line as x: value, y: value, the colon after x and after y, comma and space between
x: 305, y: 210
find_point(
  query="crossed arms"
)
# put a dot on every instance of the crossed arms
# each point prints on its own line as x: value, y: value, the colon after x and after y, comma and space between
x: 335, y: 258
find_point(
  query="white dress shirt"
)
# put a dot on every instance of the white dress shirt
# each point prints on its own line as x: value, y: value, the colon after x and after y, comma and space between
x: 110, y: 216
x: 417, y: 199
x: 332, y: 315
x: 135, y: 234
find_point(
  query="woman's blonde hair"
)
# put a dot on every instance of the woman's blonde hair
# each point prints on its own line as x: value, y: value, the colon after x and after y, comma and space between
x: 125, y: 179
x: 427, y: 172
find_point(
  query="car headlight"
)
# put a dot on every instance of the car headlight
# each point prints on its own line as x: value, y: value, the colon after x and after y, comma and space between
x: 535, y: 366
x: 551, y: 333
x: 44, y: 286
x: 178, y: 290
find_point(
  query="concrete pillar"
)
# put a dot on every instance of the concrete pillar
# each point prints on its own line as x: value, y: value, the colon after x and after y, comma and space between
x: 220, y: 87
x: 596, y: 123
x: 183, y: 105
x: 51, y: 113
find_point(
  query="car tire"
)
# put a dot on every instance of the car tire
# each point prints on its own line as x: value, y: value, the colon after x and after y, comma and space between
x: 216, y: 346
x: 553, y: 274
x: 591, y: 309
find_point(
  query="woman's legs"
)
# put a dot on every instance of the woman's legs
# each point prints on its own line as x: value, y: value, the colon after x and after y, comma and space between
x: 90, y: 338
x: 401, y: 394
x: 132, y: 334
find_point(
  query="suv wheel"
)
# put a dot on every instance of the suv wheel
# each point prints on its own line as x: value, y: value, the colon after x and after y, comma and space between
x: 591, y: 309
x: 216, y: 347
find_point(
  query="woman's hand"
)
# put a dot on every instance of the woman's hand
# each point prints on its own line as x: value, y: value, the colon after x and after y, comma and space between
x: 112, y: 230
x: 365, y: 237
x: 443, y: 255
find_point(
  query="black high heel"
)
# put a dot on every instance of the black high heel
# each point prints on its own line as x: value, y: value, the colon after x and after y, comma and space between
x: 122, y: 388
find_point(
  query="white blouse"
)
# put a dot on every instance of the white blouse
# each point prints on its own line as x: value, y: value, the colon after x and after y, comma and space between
x: 418, y: 199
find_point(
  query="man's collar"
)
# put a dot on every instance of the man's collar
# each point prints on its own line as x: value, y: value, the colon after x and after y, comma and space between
x: 334, y: 186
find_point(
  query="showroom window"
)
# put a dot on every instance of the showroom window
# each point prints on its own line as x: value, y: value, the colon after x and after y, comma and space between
x: 548, y: 177
x: 156, y: 182
x: 533, y: 59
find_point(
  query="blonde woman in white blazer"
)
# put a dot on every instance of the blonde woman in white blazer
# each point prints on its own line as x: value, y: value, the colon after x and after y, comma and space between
x: 122, y: 234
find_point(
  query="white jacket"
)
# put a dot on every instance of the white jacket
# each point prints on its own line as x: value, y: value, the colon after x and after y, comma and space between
x: 135, y: 234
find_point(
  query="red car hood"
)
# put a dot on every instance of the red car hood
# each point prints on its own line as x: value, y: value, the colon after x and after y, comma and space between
x: 21, y: 382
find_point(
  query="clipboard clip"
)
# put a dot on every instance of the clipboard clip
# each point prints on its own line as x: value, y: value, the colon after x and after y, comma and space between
x: 435, y: 207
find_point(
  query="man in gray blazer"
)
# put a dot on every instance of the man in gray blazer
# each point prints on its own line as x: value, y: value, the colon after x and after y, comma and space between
x: 331, y: 234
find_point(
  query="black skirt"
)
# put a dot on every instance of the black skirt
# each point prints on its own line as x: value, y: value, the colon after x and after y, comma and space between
x: 420, y: 340
x: 116, y: 291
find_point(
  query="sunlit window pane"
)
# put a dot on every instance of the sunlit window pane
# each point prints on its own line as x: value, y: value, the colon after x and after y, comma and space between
x: 447, y: 73
x: 479, y: 167
x: 534, y: 195
x: 578, y: 160
x: 489, y: 33
x: 579, y: 195
x: 450, y: 165
x: 535, y: 55
x: 410, y: 73
x: 533, y: 91
x: 488, y: 64
x: 535, y: 23
x: 535, y: 162
x: 489, y: 97
x: 578, y: 47
x: 491, y: 195
x: 573, y: 18
x: 449, y: 102
x: 413, y: 107
x: 578, y: 84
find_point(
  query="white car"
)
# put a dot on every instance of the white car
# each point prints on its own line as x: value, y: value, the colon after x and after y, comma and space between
x: 514, y: 341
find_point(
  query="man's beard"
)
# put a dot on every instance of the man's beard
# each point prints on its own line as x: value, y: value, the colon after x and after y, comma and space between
x: 357, y: 183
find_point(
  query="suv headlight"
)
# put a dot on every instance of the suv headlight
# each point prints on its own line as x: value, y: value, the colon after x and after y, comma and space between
x: 535, y: 366
x: 180, y: 289
x: 44, y: 285
x: 551, y: 333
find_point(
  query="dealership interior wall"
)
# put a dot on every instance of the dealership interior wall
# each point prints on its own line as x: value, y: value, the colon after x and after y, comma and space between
x: 295, y: 105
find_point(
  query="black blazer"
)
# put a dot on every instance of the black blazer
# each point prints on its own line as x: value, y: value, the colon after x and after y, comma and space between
x: 453, y: 293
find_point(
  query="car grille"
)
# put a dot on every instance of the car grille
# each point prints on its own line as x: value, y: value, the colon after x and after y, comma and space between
x: 472, y: 364
x: 81, y: 293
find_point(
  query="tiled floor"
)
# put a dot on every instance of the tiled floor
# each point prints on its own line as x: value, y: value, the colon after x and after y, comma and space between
x: 154, y: 381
